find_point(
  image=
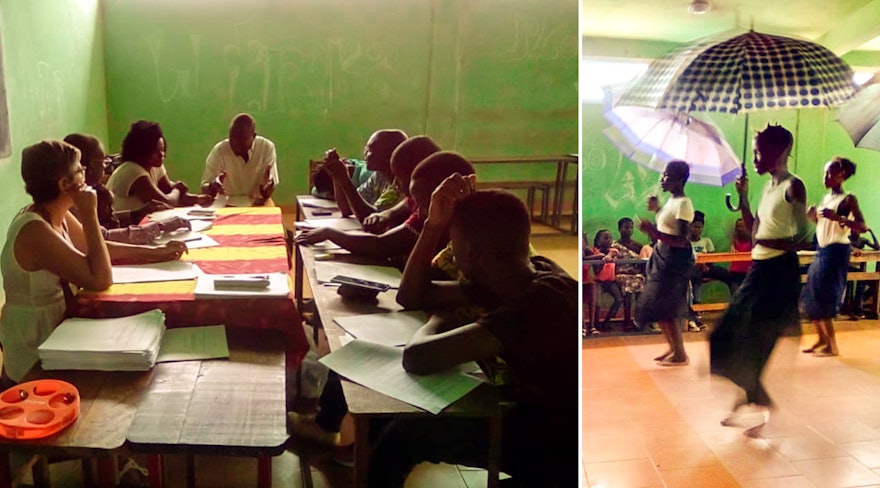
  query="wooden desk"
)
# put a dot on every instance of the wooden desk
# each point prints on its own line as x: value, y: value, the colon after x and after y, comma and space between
x: 562, y: 163
x: 251, y: 241
x: 364, y: 403
x: 108, y: 404
x: 234, y: 407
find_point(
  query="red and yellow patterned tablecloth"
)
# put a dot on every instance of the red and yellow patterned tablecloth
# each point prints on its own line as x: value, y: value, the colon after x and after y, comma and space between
x: 251, y: 241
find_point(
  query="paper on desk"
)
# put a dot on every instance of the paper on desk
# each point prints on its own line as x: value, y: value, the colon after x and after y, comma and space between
x: 381, y: 368
x: 193, y: 240
x: 182, y: 212
x: 318, y: 203
x: 119, y: 344
x: 193, y: 343
x: 146, y: 273
x: 240, y: 201
x: 200, y: 225
x: 327, y: 245
x: 220, y: 201
x: 390, y: 329
x: 278, y: 287
x: 325, y: 271
x: 347, y: 223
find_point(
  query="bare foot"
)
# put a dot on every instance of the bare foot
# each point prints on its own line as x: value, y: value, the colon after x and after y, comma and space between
x: 814, y: 347
x: 825, y: 352
x: 664, y: 356
x: 674, y: 361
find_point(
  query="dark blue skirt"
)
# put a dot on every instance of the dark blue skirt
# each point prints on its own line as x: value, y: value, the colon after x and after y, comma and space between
x: 668, y: 273
x: 826, y: 282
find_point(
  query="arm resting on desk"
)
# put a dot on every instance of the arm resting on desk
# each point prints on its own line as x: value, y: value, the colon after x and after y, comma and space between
x: 395, y: 242
x: 435, y: 347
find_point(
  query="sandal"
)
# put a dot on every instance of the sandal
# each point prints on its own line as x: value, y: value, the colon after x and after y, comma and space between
x: 670, y: 362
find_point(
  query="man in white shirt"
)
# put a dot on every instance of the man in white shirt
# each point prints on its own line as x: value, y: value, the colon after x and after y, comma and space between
x: 243, y: 165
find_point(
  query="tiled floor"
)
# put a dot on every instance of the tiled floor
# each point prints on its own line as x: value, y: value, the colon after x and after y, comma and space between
x: 645, y: 426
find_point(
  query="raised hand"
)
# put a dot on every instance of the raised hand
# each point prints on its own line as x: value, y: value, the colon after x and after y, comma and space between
x: 217, y: 184
x: 653, y: 204
x: 451, y: 190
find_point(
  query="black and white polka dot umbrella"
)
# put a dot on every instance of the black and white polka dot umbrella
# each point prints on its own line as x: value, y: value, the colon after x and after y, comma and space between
x: 747, y: 72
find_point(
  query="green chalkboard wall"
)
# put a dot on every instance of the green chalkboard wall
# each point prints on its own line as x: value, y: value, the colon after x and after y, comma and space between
x: 485, y: 78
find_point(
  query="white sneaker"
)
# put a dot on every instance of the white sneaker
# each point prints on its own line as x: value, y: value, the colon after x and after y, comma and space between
x: 692, y: 326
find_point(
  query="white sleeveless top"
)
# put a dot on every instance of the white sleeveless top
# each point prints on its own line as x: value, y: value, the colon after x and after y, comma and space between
x: 829, y: 231
x: 34, y: 305
x: 776, y: 218
x: 121, y: 180
x: 675, y: 209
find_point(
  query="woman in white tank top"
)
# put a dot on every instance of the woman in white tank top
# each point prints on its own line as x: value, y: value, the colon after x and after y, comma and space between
x: 47, y: 247
x: 836, y: 216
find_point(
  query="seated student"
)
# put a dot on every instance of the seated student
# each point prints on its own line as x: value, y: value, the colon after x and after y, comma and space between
x: 47, y: 249
x: 625, y: 227
x: 531, y: 305
x: 327, y: 425
x: 142, y: 178
x: 398, y: 240
x: 242, y: 165
x: 92, y: 155
x: 589, y: 287
x: 740, y: 241
x: 378, y: 192
x: 700, y: 245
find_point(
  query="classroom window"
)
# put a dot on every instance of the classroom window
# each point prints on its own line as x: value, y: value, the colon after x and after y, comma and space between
x: 596, y: 73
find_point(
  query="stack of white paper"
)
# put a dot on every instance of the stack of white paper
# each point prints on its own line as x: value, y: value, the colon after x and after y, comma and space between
x: 120, y: 344
x: 149, y: 273
x: 390, y: 329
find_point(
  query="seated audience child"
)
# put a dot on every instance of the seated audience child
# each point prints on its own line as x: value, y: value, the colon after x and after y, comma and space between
x: 701, y: 244
x: 740, y: 241
x: 399, y: 240
x: 621, y: 282
x: 378, y: 192
x: 531, y: 304
x: 112, y: 227
x: 142, y: 178
x: 589, y: 284
x: 625, y: 227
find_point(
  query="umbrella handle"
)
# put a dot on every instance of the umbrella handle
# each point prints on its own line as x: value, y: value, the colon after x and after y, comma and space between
x: 729, y: 204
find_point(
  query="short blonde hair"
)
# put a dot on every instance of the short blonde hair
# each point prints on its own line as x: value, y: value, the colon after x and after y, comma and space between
x: 43, y: 164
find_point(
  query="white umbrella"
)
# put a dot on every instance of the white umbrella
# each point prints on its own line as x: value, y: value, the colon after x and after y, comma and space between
x: 860, y: 115
x: 653, y: 138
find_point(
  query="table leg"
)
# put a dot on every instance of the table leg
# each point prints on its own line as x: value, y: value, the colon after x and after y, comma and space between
x: 494, y: 467
x: 298, y: 277
x: 154, y: 466
x: 5, y: 471
x: 264, y: 472
x: 558, y: 189
x: 107, y: 471
x: 361, y: 450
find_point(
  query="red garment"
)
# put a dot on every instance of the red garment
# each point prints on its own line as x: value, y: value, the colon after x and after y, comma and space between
x: 741, y: 266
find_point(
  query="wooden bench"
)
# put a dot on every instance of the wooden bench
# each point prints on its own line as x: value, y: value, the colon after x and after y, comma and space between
x: 531, y: 186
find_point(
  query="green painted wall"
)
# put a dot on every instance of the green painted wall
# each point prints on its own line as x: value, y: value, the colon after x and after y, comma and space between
x: 54, y: 75
x: 480, y: 78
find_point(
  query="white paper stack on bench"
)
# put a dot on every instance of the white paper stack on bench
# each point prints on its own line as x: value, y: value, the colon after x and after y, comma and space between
x: 120, y: 344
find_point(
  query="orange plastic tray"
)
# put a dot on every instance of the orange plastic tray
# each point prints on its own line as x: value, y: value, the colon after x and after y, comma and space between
x: 37, y: 409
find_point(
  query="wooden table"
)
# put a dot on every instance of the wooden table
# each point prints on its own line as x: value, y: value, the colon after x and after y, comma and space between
x: 251, y: 241
x: 234, y: 407
x: 562, y: 164
x: 364, y: 403
x: 804, y: 257
x: 108, y: 403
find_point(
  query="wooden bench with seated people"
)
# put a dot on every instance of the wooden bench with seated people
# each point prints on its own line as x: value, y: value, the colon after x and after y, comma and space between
x: 805, y: 258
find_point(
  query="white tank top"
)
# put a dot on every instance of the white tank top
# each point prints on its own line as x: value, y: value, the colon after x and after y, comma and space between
x: 777, y: 219
x: 829, y: 231
x: 34, y: 305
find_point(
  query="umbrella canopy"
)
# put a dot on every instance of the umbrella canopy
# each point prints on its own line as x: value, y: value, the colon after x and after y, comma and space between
x: 653, y: 138
x: 860, y: 116
x: 742, y: 73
